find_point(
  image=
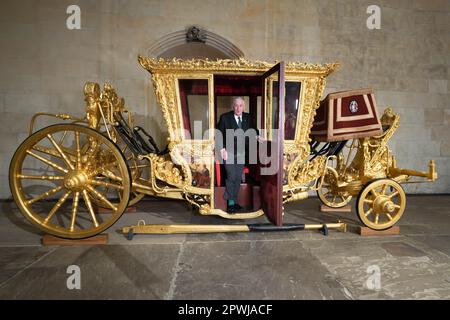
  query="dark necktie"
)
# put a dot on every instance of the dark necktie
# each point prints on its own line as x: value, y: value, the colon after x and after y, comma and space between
x: 239, y: 122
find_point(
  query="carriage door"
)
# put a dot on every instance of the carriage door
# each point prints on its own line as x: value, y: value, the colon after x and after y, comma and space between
x: 271, y: 148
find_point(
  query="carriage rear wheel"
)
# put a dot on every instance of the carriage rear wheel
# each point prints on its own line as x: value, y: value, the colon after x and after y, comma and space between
x: 381, y: 204
x: 328, y: 192
x: 57, y: 172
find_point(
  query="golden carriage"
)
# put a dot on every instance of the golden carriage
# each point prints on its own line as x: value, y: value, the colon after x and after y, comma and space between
x: 61, y: 174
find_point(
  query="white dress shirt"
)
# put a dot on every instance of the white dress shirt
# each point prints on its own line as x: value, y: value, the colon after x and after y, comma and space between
x: 237, y: 118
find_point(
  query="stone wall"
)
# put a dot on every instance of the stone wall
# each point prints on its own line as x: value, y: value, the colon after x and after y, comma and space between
x: 44, y: 65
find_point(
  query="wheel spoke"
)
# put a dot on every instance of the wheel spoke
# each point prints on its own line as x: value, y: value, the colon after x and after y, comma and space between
x: 111, y: 175
x: 106, y: 184
x: 23, y: 176
x: 57, y: 206
x: 61, y: 141
x: 58, y: 148
x: 119, y: 195
x: 44, y: 195
x: 46, y: 161
x: 368, y: 201
x: 396, y: 206
x: 368, y: 212
x: 383, y: 189
x: 334, y: 199
x: 46, y: 150
x: 377, y: 216
x: 77, y: 139
x: 93, y: 146
x: 89, y: 206
x: 396, y: 193
x: 74, y: 210
x: 389, y: 216
x: 374, y: 192
x: 101, y: 197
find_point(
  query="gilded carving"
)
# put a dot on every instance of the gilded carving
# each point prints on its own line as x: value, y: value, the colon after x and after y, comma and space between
x: 227, y: 65
x: 307, y: 171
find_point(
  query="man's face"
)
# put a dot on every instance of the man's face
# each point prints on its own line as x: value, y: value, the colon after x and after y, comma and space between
x: 238, y: 107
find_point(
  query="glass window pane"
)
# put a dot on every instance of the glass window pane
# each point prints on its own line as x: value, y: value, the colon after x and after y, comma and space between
x: 275, y: 106
x: 194, y: 107
x: 291, y: 106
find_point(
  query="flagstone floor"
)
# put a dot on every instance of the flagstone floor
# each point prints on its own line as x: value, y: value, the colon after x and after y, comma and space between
x: 252, y: 265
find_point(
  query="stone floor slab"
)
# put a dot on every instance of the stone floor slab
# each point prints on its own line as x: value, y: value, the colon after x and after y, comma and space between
x: 106, y: 272
x: 253, y: 270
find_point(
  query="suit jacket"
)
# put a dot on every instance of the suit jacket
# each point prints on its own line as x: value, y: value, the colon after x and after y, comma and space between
x: 228, y: 121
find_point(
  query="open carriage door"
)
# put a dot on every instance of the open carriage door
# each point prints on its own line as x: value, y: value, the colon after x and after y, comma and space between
x: 271, y: 149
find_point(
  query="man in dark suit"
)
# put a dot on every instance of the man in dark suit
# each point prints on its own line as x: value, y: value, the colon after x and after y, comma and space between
x: 236, y: 129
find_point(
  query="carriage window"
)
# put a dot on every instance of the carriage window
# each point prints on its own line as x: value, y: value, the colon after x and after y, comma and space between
x: 291, y: 105
x: 194, y: 107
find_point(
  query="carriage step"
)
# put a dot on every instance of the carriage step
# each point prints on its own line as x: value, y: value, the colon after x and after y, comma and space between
x: 49, y: 240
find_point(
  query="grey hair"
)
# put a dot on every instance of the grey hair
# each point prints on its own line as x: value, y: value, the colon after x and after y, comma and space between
x: 236, y: 99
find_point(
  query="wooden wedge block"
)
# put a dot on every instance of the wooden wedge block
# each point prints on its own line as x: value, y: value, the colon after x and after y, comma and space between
x: 347, y: 208
x: 365, y: 232
x: 49, y: 240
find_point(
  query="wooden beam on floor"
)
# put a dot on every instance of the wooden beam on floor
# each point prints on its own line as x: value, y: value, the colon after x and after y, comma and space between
x: 366, y: 232
x: 49, y: 240
x: 324, y: 208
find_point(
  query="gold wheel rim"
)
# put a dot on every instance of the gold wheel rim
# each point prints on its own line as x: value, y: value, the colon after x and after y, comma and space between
x: 76, y: 155
x: 328, y: 194
x: 381, y: 204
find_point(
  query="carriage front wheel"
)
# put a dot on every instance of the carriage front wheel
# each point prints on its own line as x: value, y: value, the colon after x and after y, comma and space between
x: 381, y: 204
x: 57, y: 172
x: 329, y: 193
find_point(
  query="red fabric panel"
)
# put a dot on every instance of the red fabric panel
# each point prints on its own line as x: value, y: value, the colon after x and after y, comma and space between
x: 237, y: 85
x: 218, y: 177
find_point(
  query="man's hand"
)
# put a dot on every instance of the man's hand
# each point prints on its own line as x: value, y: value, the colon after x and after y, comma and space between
x: 224, y: 154
x: 260, y: 139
